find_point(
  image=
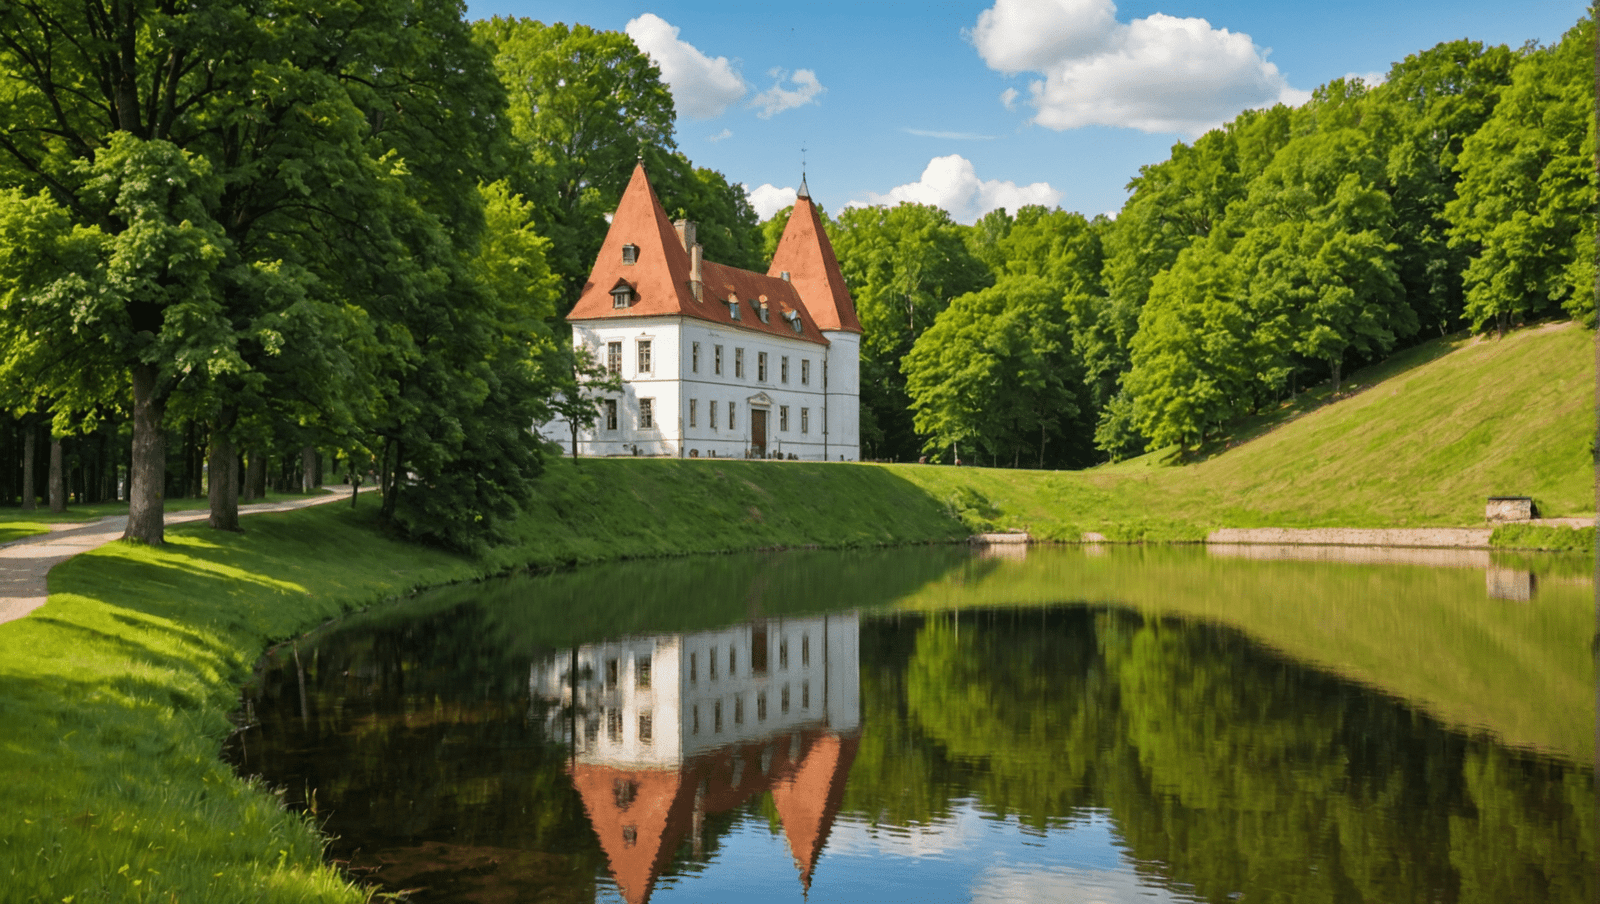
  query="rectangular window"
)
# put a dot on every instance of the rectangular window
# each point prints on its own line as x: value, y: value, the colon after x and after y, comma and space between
x: 614, y: 357
x: 641, y: 671
x: 716, y: 360
x: 805, y: 371
x: 591, y: 732
x: 783, y: 369
x: 733, y: 661
x: 611, y: 414
x: 696, y: 715
x: 783, y: 653
x: 716, y: 716
x: 738, y: 710
x: 761, y: 707
x: 738, y: 364
x: 783, y: 700
x: 694, y: 357
x: 644, y: 356
x: 711, y: 662
x: 805, y: 650
x: 805, y: 420
x: 693, y: 404
x: 613, y: 669
x: 713, y: 414
x: 761, y: 366
x: 614, y: 725
x: 694, y: 667
x: 730, y: 416
x: 805, y: 695
x: 758, y: 650
x: 647, y: 728
x: 647, y: 413
x: 783, y: 417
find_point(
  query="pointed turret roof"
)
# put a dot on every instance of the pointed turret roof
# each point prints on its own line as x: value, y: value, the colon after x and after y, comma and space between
x: 808, y: 802
x: 660, y: 276
x: 807, y: 256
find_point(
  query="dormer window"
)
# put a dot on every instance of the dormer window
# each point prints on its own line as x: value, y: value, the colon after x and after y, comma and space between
x: 733, y: 308
x: 794, y: 321
x: 763, y: 312
x: 630, y: 255
x: 622, y: 295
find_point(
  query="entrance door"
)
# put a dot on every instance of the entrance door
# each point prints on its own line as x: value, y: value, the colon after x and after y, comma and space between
x: 758, y: 432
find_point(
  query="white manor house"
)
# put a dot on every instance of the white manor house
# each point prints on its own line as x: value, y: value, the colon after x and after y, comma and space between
x: 716, y: 361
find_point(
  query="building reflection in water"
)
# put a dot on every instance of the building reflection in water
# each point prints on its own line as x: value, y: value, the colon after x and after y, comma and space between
x: 665, y: 730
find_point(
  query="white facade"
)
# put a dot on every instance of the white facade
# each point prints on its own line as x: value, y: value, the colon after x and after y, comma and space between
x: 802, y: 395
x: 656, y: 701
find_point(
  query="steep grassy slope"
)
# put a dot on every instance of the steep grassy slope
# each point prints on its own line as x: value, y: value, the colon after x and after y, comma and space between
x: 1419, y: 440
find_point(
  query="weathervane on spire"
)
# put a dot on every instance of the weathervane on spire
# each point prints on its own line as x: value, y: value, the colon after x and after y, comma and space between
x: 803, y: 192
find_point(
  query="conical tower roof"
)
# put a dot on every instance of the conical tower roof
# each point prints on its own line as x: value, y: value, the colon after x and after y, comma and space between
x: 805, y: 253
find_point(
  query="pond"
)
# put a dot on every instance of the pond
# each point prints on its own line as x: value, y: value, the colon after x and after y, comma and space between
x: 1070, y: 724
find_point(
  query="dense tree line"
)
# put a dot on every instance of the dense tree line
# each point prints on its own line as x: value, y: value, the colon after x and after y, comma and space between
x: 240, y: 244
x: 1272, y: 254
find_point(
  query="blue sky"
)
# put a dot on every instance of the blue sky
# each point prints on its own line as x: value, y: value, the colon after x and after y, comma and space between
x: 1000, y: 103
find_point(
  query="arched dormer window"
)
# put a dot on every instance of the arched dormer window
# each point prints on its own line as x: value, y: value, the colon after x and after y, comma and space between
x: 622, y: 295
x: 630, y: 254
x: 733, y: 306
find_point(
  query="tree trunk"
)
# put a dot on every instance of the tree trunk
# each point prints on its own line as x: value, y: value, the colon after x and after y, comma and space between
x: 148, y: 466
x: 255, y: 475
x: 574, y: 424
x: 58, y: 477
x: 30, y: 435
x: 391, y: 480
x: 222, y: 474
x: 1336, y: 364
x: 308, y: 469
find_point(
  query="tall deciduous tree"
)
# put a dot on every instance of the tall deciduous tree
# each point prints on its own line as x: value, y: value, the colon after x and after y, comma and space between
x: 1525, y: 206
x: 584, y: 104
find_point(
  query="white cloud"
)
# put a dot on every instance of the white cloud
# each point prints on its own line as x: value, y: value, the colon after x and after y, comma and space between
x: 777, y: 99
x: 702, y: 87
x: 769, y: 199
x: 953, y: 184
x: 1008, y: 98
x: 1029, y: 35
x: 725, y: 133
x: 1028, y: 882
x: 1156, y: 74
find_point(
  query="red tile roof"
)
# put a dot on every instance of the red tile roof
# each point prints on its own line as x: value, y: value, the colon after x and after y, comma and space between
x: 805, y: 252
x: 661, y: 277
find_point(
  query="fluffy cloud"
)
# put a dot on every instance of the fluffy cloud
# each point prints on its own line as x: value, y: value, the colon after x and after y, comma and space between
x: 953, y: 184
x: 725, y: 133
x: 769, y: 199
x: 1157, y: 74
x: 776, y: 99
x: 702, y: 87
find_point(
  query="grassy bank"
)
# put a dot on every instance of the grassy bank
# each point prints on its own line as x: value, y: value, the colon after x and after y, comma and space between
x: 1420, y: 440
x: 115, y: 695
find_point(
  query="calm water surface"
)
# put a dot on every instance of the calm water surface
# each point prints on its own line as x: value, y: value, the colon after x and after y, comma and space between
x: 929, y: 725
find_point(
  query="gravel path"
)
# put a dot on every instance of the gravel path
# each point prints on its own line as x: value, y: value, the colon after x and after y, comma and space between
x: 25, y: 564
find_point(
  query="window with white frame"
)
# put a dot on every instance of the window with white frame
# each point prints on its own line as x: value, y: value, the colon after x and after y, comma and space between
x: 716, y: 360
x: 644, y: 355
x: 693, y: 404
x: 783, y: 417
x: 713, y: 414
x: 738, y: 364
x: 730, y: 416
x: 647, y: 414
x: 805, y: 420
x: 694, y: 357
x: 614, y: 357
x: 611, y: 414
x: 805, y: 371
x: 783, y: 369
x: 630, y: 254
x: 761, y: 366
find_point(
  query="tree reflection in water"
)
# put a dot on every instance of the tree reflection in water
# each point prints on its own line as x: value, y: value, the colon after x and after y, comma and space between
x: 452, y: 751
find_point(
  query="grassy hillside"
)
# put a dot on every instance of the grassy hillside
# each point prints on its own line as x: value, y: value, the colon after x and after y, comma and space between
x: 1420, y: 440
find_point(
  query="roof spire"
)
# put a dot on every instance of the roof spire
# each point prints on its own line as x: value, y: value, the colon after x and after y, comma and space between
x: 802, y: 191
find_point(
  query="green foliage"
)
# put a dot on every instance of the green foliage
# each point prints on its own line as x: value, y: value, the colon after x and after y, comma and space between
x: 584, y: 104
x: 903, y: 266
x: 995, y: 371
x: 1526, y: 206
